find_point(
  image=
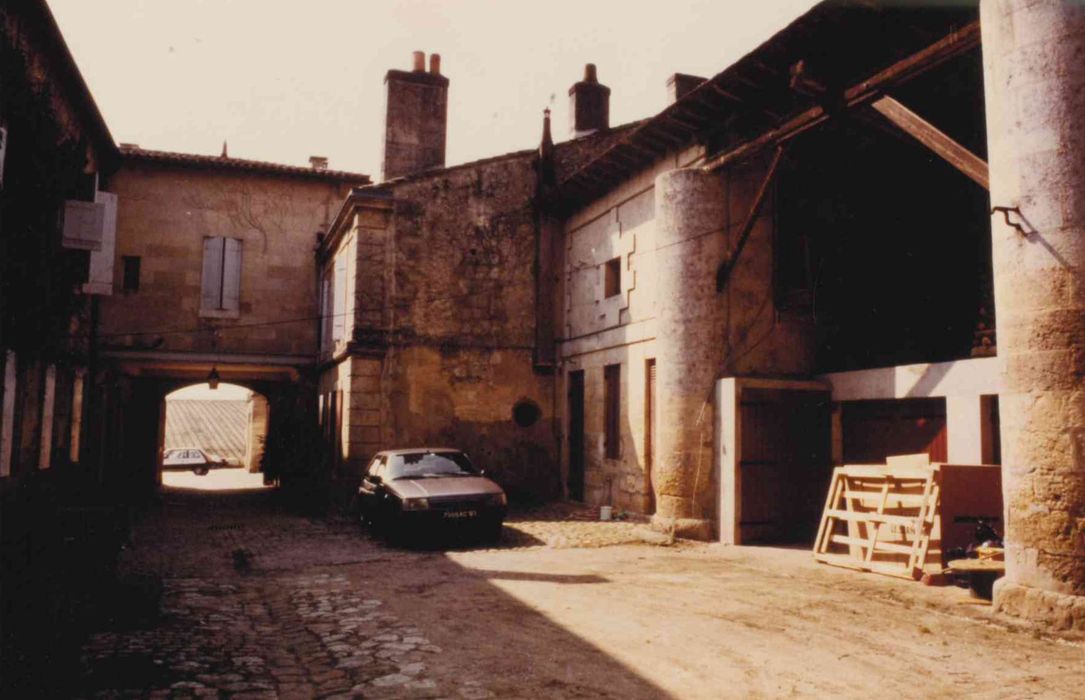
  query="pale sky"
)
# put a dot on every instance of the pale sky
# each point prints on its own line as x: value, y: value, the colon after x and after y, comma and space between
x: 281, y: 81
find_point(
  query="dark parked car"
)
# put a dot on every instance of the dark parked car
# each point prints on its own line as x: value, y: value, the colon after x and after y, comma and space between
x: 424, y: 490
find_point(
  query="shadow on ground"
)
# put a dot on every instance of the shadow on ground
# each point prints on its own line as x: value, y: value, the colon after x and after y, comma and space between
x: 318, y: 606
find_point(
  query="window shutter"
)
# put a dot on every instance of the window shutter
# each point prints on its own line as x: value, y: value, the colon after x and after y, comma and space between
x: 325, y: 314
x: 339, y: 320
x: 211, y: 293
x: 100, y: 275
x: 231, y: 275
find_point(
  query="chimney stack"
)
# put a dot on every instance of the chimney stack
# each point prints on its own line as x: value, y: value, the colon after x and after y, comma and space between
x: 589, y: 104
x: 679, y: 84
x: 416, y: 118
x: 318, y: 162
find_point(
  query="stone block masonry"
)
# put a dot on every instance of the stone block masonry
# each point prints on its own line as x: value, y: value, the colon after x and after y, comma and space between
x: 1035, y: 90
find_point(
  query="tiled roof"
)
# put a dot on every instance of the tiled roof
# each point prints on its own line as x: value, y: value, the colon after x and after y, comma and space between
x: 191, y: 160
x: 220, y: 427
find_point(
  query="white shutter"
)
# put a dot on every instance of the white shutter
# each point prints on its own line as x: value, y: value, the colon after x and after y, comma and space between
x: 3, y: 152
x: 339, y: 320
x: 83, y: 225
x: 77, y: 417
x: 211, y: 293
x: 45, y: 447
x: 100, y: 278
x: 231, y: 275
x: 7, y: 418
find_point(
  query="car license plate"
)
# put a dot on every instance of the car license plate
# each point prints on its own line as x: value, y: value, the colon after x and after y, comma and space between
x: 461, y: 513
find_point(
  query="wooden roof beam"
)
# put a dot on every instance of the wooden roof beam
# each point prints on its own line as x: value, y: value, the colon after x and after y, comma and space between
x: 952, y: 45
x: 974, y: 167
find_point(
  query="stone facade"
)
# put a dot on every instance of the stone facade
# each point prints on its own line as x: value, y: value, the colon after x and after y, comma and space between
x: 440, y: 347
x: 167, y: 210
x: 669, y: 310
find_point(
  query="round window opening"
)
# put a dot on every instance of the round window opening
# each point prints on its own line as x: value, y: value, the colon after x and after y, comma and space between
x: 526, y: 413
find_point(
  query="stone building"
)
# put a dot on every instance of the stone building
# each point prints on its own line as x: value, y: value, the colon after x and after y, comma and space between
x: 799, y: 262
x: 436, y: 323
x: 56, y: 159
x: 214, y: 274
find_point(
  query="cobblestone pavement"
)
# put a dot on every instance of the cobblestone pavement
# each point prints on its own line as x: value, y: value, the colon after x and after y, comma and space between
x: 246, y: 601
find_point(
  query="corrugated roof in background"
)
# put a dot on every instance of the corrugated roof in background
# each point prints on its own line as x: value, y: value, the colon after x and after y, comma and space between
x: 221, y: 427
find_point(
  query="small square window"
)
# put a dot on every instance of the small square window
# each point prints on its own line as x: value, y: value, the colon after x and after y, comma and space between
x: 131, y: 273
x: 612, y: 277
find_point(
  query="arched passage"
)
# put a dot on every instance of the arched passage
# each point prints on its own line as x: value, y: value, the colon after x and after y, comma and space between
x: 214, y: 438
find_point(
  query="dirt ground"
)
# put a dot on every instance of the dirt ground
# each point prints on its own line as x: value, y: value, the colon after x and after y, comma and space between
x: 262, y: 603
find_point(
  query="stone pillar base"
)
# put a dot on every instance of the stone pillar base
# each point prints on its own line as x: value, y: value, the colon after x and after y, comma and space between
x: 688, y: 528
x: 1059, y: 612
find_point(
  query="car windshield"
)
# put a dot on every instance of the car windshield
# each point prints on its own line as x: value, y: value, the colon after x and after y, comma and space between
x: 419, y: 465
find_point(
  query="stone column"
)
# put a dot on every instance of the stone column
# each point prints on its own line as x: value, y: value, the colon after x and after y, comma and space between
x: 1035, y: 93
x: 258, y: 418
x: 691, y: 214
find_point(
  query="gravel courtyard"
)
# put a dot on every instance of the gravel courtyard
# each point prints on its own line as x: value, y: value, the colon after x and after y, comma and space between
x: 243, y: 599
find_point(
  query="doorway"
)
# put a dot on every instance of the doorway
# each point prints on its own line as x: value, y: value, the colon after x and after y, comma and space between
x: 575, y: 481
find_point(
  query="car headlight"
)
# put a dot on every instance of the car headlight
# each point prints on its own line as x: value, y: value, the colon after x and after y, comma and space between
x: 498, y: 499
x: 415, y: 503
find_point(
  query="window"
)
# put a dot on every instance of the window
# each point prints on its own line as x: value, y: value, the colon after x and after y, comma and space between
x: 612, y: 386
x: 612, y: 277
x: 221, y: 288
x: 131, y: 273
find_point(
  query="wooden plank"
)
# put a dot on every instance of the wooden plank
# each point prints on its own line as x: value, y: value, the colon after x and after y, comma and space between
x: 905, y: 499
x: 894, y: 547
x: 949, y: 46
x: 879, y: 518
x: 974, y: 167
x: 724, y: 273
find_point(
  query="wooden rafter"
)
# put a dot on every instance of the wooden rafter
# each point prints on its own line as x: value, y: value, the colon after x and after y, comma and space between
x: 724, y: 272
x: 930, y: 136
x: 861, y: 93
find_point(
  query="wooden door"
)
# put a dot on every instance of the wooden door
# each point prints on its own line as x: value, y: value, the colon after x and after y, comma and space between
x: 785, y: 463
x: 650, y: 431
x: 576, y: 435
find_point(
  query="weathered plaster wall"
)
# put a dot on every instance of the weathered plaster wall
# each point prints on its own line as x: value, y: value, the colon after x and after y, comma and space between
x: 742, y: 333
x: 163, y: 216
x: 442, y: 343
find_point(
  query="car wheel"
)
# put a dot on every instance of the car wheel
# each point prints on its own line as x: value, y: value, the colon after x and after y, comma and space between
x: 200, y: 471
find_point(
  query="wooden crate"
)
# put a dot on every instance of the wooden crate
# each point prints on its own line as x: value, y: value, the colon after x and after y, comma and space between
x: 900, y: 518
x: 879, y: 518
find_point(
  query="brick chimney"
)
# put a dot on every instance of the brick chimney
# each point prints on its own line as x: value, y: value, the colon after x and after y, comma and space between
x: 589, y: 104
x: 416, y: 118
x: 679, y: 84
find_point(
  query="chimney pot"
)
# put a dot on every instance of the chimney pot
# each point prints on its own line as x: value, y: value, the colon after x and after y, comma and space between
x: 589, y: 104
x: 420, y: 61
x: 435, y: 63
x: 679, y: 84
x: 318, y: 162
